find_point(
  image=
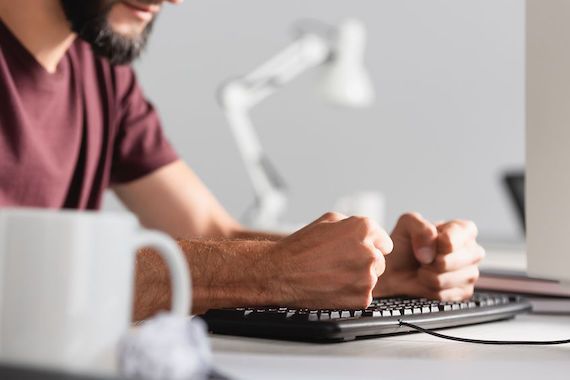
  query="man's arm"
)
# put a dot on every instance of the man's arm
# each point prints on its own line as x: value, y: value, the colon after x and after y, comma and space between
x: 333, y: 262
x: 224, y: 274
x: 174, y: 200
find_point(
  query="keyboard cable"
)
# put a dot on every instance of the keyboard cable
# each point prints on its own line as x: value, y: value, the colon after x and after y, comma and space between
x: 482, y: 341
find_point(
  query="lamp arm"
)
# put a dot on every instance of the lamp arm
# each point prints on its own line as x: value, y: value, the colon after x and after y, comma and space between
x: 303, y: 54
x: 240, y: 95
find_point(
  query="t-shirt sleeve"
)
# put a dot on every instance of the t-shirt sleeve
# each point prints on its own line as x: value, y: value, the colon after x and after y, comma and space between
x: 140, y: 144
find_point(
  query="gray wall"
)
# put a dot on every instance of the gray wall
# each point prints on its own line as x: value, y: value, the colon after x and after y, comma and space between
x: 448, y: 120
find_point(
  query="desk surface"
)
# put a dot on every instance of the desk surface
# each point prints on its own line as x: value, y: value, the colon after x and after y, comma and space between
x: 251, y: 358
x: 409, y: 356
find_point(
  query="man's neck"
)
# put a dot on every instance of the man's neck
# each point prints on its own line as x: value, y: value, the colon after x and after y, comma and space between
x: 41, y: 26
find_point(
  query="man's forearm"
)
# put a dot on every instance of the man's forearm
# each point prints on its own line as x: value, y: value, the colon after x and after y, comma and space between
x: 225, y: 273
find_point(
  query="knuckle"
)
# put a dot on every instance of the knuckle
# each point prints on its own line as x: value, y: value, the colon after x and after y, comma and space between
x: 371, y: 281
x: 332, y: 216
x: 436, y: 281
x: 441, y: 263
x: 410, y: 216
x: 445, y: 242
x: 356, y: 242
x: 369, y: 257
x: 365, y: 281
x: 369, y: 224
x: 440, y: 282
x: 363, y: 223
x: 458, y: 223
x: 427, y: 229
x: 472, y: 227
x: 356, y: 218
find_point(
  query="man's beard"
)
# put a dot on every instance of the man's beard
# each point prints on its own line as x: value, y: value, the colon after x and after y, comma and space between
x: 88, y: 18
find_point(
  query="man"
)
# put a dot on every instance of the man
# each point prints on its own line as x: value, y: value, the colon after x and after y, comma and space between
x: 73, y: 122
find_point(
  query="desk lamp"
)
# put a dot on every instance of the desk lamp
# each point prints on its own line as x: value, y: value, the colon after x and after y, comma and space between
x: 339, y: 50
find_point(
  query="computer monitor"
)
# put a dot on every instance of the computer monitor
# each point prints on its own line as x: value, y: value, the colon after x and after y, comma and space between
x: 548, y: 139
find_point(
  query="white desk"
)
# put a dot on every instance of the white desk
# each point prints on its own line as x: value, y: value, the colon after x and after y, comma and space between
x: 406, y: 356
x: 411, y: 356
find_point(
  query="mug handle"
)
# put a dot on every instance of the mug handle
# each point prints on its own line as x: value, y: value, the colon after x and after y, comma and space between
x: 177, y: 266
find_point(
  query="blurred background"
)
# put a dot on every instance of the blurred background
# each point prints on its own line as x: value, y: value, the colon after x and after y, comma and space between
x: 447, y: 122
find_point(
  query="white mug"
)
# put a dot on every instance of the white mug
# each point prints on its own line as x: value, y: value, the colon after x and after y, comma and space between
x: 66, y: 286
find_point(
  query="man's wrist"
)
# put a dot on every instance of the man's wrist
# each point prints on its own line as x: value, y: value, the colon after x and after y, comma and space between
x: 232, y: 273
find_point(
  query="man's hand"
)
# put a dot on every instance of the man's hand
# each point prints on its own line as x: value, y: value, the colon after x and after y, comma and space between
x: 432, y: 261
x: 333, y: 262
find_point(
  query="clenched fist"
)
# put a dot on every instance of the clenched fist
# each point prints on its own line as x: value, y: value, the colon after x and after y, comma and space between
x: 436, y: 261
x: 333, y: 262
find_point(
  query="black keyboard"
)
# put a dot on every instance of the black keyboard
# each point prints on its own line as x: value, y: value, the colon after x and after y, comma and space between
x: 382, y: 317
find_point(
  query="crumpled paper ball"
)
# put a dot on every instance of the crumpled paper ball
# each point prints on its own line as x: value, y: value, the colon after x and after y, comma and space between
x: 166, y: 347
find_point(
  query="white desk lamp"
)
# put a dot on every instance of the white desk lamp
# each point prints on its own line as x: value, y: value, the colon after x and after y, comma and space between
x: 345, y: 82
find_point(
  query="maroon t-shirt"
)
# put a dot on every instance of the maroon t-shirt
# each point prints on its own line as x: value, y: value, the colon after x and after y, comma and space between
x: 65, y: 137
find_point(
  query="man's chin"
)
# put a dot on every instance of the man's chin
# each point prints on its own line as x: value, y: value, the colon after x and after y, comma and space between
x: 127, y: 30
x: 126, y: 22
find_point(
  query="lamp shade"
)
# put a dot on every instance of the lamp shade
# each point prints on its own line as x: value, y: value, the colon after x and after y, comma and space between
x: 345, y: 79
